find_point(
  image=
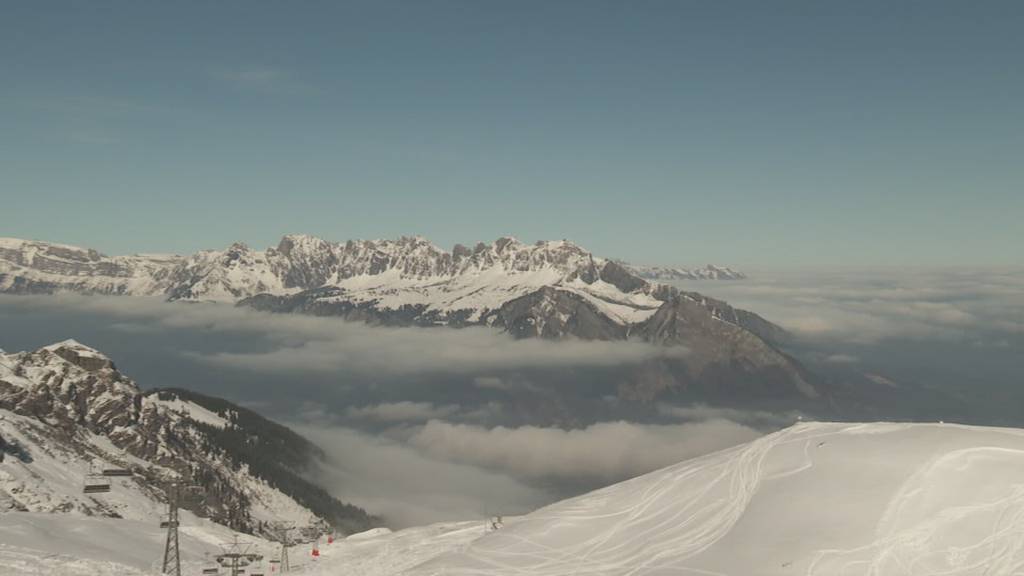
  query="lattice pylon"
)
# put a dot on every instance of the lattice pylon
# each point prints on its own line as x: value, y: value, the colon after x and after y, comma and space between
x: 172, y: 558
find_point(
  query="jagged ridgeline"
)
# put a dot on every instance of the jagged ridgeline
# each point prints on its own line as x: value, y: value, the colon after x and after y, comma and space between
x: 67, y: 408
x: 548, y: 289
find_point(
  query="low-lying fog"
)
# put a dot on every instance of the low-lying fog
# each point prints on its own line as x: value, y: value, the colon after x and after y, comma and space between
x: 430, y: 424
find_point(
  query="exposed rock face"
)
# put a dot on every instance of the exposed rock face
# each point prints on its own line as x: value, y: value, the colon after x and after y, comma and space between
x: 70, y: 384
x: 617, y: 276
x: 554, y: 314
x: 722, y: 352
x: 71, y: 407
x: 31, y: 267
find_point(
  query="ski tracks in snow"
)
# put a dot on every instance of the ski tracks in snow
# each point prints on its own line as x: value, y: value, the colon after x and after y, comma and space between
x: 939, y: 523
x: 649, y: 525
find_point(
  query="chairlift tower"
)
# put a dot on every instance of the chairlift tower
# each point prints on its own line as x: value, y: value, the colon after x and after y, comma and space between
x: 282, y: 529
x: 172, y: 557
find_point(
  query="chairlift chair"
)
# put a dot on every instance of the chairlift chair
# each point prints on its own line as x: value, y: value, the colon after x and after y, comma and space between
x: 211, y: 570
x: 116, y: 472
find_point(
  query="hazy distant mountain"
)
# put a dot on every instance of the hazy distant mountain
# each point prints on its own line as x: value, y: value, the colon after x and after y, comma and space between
x: 709, y: 272
x: 66, y: 412
x: 551, y: 289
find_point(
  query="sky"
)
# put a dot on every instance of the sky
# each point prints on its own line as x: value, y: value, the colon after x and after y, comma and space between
x: 743, y: 133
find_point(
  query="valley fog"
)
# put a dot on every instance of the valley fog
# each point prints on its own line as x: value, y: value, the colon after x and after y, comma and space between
x: 391, y: 404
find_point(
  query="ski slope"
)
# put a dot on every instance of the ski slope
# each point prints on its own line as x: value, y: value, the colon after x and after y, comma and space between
x: 41, y: 544
x: 816, y: 499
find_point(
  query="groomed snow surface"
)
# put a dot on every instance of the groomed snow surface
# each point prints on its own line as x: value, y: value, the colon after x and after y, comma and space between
x: 815, y: 499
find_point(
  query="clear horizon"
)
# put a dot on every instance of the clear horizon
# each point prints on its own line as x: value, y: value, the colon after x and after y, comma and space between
x: 736, y: 133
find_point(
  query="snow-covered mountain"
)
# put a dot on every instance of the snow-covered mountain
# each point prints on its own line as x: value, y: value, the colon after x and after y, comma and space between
x: 404, y: 281
x: 67, y: 415
x: 297, y: 263
x: 432, y: 285
x: 668, y: 273
x: 550, y: 289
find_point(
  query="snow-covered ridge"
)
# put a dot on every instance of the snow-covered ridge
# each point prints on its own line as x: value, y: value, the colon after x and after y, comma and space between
x: 298, y: 262
x: 410, y: 272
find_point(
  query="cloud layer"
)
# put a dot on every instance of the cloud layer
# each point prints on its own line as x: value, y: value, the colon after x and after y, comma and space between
x: 444, y: 471
x: 602, y: 452
x: 304, y: 344
x: 867, y: 306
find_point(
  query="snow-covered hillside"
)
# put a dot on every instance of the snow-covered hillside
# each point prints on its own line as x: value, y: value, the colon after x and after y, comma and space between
x: 67, y: 417
x: 34, y: 544
x: 816, y: 499
x: 40, y: 544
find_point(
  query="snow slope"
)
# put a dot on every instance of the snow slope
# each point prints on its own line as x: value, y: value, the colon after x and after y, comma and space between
x: 814, y: 499
x: 39, y: 544
x: 33, y: 544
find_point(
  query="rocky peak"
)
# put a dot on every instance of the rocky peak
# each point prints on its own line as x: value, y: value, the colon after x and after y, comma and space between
x: 68, y: 384
x: 237, y: 251
x: 301, y: 243
x: 80, y: 355
x: 505, y: 241
x: 616, y: 275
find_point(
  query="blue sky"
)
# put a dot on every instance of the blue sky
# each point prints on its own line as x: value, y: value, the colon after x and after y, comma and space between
x: 745, y: 133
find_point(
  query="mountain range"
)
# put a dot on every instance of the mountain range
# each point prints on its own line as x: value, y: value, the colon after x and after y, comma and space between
x: 549, y: 289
